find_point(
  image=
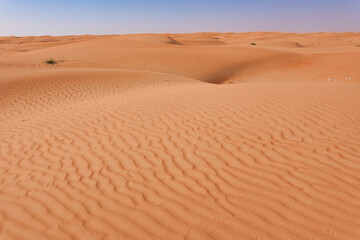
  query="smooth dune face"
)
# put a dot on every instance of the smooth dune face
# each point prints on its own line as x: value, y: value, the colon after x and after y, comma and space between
x: 180, y: 136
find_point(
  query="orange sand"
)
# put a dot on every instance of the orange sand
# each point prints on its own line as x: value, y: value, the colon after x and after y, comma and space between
x: 181, y: 136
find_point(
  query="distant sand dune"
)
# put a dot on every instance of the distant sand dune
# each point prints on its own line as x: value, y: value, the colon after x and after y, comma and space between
x: 143, y: 137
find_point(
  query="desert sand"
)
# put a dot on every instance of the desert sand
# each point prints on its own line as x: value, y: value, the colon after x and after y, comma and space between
x: 180, y: 136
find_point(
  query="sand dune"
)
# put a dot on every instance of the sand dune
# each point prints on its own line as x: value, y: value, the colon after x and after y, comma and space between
x: 144, y: 137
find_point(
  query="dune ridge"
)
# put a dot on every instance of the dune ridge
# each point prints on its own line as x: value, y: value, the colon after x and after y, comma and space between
x: 180, y: 136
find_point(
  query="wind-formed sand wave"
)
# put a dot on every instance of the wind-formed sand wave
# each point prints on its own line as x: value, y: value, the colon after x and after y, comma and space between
x: 109, y: 144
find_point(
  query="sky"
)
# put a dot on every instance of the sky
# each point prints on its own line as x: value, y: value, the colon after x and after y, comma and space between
x: 69, y: 17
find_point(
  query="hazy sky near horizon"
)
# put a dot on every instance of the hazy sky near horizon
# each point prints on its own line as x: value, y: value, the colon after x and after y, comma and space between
x: 66, y: 17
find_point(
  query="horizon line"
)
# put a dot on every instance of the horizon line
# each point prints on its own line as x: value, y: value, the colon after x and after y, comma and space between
x: 162, y: 33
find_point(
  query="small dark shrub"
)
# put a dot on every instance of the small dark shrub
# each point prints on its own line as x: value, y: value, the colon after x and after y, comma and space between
x: 253, y: 44
x: 51, y: 61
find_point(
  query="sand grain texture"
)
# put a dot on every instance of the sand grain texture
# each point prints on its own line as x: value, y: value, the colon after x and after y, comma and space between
x: 143, y: 137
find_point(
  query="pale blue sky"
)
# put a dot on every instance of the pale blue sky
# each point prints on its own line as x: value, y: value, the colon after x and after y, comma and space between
x: 40, y: 17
